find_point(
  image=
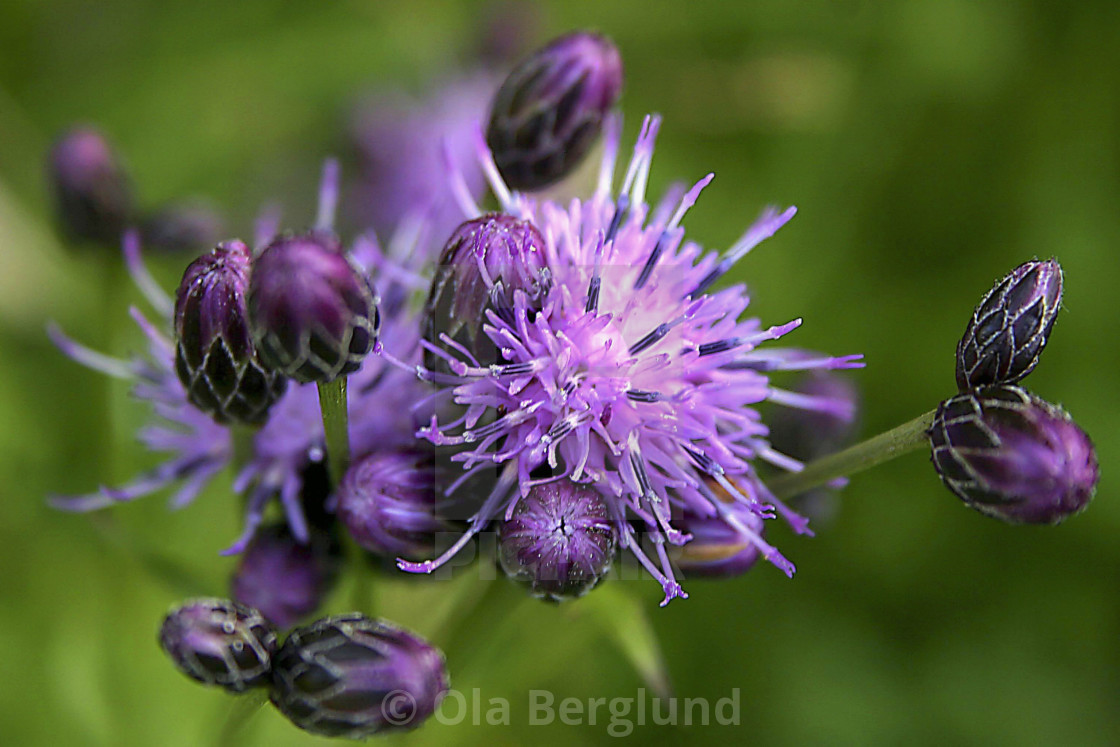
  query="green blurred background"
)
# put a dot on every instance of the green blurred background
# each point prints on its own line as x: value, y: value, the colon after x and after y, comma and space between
x: 931, y: 145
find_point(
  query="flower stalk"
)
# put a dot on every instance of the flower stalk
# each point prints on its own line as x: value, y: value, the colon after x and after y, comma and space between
x: 900, y: 440
x: 332, y: 403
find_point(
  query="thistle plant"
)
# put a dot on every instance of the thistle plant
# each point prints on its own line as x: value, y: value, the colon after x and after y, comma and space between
x: 577, y: 377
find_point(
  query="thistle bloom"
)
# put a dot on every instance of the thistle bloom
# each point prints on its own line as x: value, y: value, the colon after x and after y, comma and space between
x: 1009, y: 328
x: 632, y: 377
x: 291, y: 440
x: 286, y: 580
x: 1012, y: 456
x: 214, y: 355
x: 219, y: 642
x: 350, y: 676
x: 560, y: 540
x: 92, y: 192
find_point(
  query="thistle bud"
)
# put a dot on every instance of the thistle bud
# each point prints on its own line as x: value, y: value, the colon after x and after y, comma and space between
x: 387, y: 501
x: 91, y: 189
x: 550, y: 110
x: 560, y: 540
x: 1013, y: 456
x: 214, y: 355
x: 350, y: 676
x: 1008, y: 330
x: 183, y: 227
x: 717, y: 549
x: 484, y: 262
x: 282, y: 578
x: 312, y: 312
x: 219, y: 642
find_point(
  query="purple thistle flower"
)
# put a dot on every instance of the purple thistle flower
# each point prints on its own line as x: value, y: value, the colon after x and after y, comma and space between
x: 284, y: 579
x: 350, y: 676
x: 387, y: 502
x: 219, y: 642
x: 560, y: 540
x: 1013, y: 456
x: 291, y: 440
x: 632, y: 376
x: 92, y: 193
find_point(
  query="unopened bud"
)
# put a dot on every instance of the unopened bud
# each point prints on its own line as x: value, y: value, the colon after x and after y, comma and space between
x: 717, y: 548
x: 219, y: 642
x: 484, y: 262
x: 1008, y: 330
x: 550, y: 110
x: 353, y: 677
x: 1013, y: 456
x: 560, y: 540
x: 214, y: 354
x: 312, y: 312
x: 284, y: 579
x: 92, y: 191
x: 387, y: 501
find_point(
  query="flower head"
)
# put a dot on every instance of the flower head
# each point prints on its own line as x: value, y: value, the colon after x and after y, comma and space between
x: 632, y: 377
x: 219, y: 642
x: 350, y: 676
x: 1012, y: 456
x: 560, y: 540
x: 184, y: 226
x: 1009, y: 328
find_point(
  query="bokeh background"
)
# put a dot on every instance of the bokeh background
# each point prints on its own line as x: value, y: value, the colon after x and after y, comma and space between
x: 931, y: 145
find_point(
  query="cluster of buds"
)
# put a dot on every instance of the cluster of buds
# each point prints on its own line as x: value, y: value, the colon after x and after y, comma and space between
x: 589, y: 387
x: 342, y: 676
x: 1002, y: 450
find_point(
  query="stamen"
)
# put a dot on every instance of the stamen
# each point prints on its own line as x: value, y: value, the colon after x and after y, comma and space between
x: 641, y: 395
x: 765, y: 227
x: 650, y: 339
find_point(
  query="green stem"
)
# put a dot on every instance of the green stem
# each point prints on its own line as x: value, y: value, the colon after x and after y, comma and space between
x: 332, y: 403
x: 874, y: 451
x: 241, y: 712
